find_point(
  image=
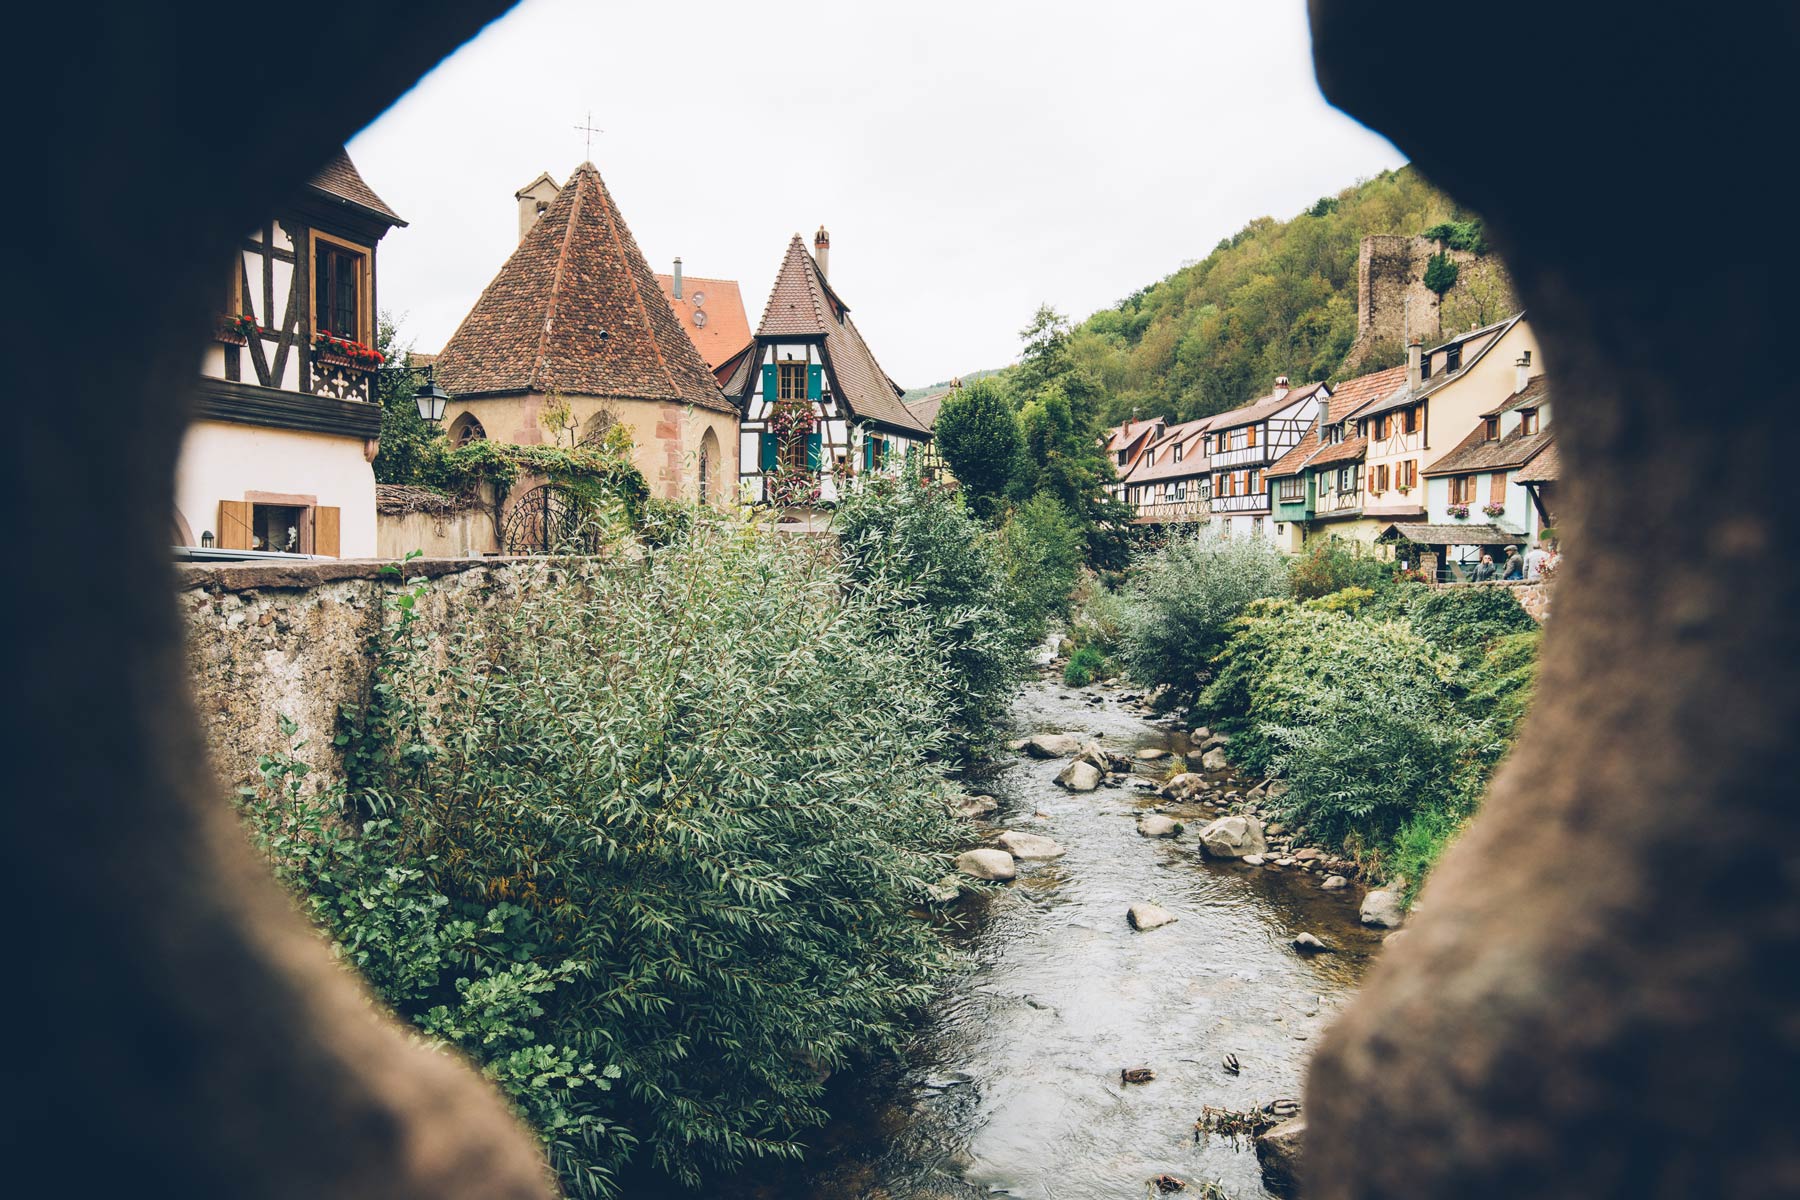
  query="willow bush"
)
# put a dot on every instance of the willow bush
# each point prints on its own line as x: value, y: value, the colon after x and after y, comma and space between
x: 643, y: 843
x: 1182, y: 597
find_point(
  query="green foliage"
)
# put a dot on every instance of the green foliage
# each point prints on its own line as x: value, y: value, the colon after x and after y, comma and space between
x: 1348, y: 600
x: 1506, y: 680
x: 1441, y: 273
x: 1182, y: 598
x: 1465, y: 620
x: 1332, y: 564
x: 407, y: 439
x: 1459, y: 235
x: 977, y: 432
x: 645, y: 841
x: 921, y: 533
x: 1420, y: 843
x: 1098, y: 614
x: 1040, y: 552
x: 1084, y: 666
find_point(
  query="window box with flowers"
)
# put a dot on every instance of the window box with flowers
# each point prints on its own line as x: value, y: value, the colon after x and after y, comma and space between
x: 1493, y: 509
x: 342, y: 352
x: 1458, y: 512
x: 238, y: 330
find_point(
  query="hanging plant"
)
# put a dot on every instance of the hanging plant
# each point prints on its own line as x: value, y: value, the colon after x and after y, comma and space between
x: 346, y: 352
x: 238, y: 329
x: 1459, y: 511
x: 1494, y: 510
x: 791, y: 417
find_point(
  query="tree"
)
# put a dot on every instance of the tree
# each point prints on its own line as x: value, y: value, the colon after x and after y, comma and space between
x: 1440, y: 274
x: 977, y: 432
x: 405, y: 436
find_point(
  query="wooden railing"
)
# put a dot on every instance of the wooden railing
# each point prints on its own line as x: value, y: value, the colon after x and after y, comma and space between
x: 1172, y: 510
x: 1251, y: 503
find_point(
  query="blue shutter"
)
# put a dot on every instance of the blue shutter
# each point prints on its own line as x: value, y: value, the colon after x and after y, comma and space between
x: 771, y: 383
x: 771, y: 452
x: 868, y: 453
x: 813, y: 449
x: 815, y: 381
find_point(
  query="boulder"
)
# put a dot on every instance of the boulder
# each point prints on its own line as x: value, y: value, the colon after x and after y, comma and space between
x: 1182, y: 786
x: 1233, y: 837
x: 975, y: 806
x: 944, y: 890
x: 1148, y: 916
x: 1051, y: 745
x: 1158, y: 826
x: 1306, y: 943
x: 1079, y: 777
x: 1200, y: 734
x: 1278, y: 1153
x: 1308, y: 854
x: 1334, y: 882
x: 1105, y: 760
x: 1151, y: 754
x: 1382, y: 909
x: 1030, y: 847
x: 995, y: 865
x: 1214, y: 760
x: 1017, y: 744
x: 1276, y: 827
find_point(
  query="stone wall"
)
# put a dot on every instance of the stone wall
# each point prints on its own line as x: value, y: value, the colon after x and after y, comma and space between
x: 1392, y: 301
x: 267, y: 640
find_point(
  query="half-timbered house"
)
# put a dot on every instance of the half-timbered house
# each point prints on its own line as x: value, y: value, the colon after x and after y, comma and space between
x: 1318, y: 485
x: 278, y: 457
x: 1125, y: 444
x: 576, y: 329
x: 1167, y: 483
x: 1242, y: 444
x: 1475, y: 488
x: 817, y: 408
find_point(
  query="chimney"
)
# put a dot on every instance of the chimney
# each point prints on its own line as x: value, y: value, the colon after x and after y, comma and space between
x: 1281, y: 385
x: 1524, y: 372
x: 534, y: 198
x: 678, y: 278
x: 822, y: 251
x: 1415, y: 352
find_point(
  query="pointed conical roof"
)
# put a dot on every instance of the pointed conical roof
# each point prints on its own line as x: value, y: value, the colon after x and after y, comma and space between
x: 576, y: 309
x: 803, y: 304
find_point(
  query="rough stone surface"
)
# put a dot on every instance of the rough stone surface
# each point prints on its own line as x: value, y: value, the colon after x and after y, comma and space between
x: 1233, y: 837
x: 1144, y: 916
x: 1051, y: 745
x: 1333, y: 882
x: 1382, y: 909
x: 986, y: 864
x: 976, y: 806
x: 1214, y: 760
x: 1307, y: 943
x: 1030, y: 846
x: 1158, y: 826
x: 1183, y: 785
x: 1152, y: 753
x: 1253, y: 860
x: 1079, y: 777
x: 1278, y: 1154
x: 944, y: 890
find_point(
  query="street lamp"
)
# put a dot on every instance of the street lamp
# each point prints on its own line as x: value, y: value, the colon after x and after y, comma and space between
x: 430, y: 398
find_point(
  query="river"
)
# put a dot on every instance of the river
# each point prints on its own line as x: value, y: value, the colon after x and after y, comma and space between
x: 1011, y: 1086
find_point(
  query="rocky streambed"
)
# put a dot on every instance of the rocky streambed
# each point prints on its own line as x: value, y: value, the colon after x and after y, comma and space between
x: 1113, y: 969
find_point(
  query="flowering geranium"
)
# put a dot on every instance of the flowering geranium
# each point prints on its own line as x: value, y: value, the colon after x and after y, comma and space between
x: 1459, y: 511
x: 1494, y: 510
x: 356, y: 352
x: 243, y: 325
x: 791, y: 417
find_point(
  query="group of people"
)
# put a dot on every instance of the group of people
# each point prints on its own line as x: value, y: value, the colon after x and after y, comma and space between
x: 1527, y: 567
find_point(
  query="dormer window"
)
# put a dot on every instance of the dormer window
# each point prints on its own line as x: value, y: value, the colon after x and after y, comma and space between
x: 1493, y: 429
x: 1528, y: 420
x: 1149, y: 458
x: 1424, y: 366
x: 1453, y: 358
x: 1178, y: 451
x: 1123, y: 455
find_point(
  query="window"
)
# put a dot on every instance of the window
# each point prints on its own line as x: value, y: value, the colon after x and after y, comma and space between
x: 466, y: 429
x: 1346, y: 479
x: 1293, y: 488
x: 793, y: 381
x: 1409, y: 420
x: 1493, y: 429
x: 1384, y: 425
x: 1409, y: 474
x: 1177, y: 451
x: 1453, y: 358
x: 1256, y: 526
x: 338, y: 290
x: 1123, y: 455
x: 794, y: 452
x: 1378, y: 479
x: 1149, y: 458
x: 1180, y: 489
x: 1528, y: 420
x: 1462, y: 489
x: 277, y: 527
x: 1424, y: 366
x: 1255, y: 488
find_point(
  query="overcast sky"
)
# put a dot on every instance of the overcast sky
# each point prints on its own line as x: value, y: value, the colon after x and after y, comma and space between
x: 971, y: 158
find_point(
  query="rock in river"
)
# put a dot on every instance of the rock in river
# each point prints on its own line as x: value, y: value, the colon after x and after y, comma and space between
x: 1382, y: 909
x: 1148, y: 916
x: 1051, y: 745
x: 996, y: 865
x: 1278, y: 1151
x: 1080, y: 777
x: 1306, y: 943
x: 1233, y: 837
x: 1157, y: 825
x: 975, y: 806
x: 944, y: 890
x: 1214, y: 760
x: 1030, y: 846
x: 1183, y: 786
x: 1334, y: 882
x: 1151, y: 754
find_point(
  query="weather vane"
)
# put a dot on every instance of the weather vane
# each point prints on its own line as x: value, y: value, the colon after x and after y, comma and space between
x: 587, y: 127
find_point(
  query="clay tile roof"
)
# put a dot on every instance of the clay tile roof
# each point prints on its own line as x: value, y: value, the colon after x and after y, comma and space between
x: 1455, y: 535
x: 1350, y: 395
x: 1268, y: 406
x: 1489, y: 336
x: 1536, y: 392
x: 1189, y: 435
x: 1477, y: 453
x: 340, y: 180
x: 1349, y: 450
x: 576, y: 309
x: 1543, y: 468
x: 925, y: 408
x: 722, y: 328
x: 803, y: 304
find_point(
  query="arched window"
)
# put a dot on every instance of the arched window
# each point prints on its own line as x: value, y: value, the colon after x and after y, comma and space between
x: 708, y: 466
x: 466, y: 429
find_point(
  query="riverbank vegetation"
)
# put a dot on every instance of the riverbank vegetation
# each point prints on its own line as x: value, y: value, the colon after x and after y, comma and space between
x: 1384, y: 705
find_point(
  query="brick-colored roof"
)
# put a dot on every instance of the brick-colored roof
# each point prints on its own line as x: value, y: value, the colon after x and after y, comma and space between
x: 1454, y: 535
x: 576, y: 309
x: 925, y: 408
x: 1350, y: 395
x: 1544, y: 468
x: 802, y: 304
x: 1476, y: 453
x: 1488, y: 335
x: 340, y: 180
x: 723, y: 328
x: 1536, y: 392
x: 1264, y: 408
x: 1190, y: 436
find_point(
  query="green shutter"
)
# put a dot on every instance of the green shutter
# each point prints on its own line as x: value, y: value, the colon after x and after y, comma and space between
x: 771, y: 452
x: 813, y: 449
x: 815, y: 381
x: 771, y: 383
x: 868, y: 453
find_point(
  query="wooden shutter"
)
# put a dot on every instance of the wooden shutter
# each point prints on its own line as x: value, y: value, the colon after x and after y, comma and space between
x: 771, y: 383
x: 770, y: 444
x: 236, y: 521
x: 813, y: 448
x: 868, y: 452
x: 1250, y: 437
x: 325, y: 531
x: 1497, y: 488
x: 815, y: 381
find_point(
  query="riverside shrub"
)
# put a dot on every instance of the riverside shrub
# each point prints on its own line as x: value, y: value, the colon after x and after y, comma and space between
x: 1181, y: 599
x: 643, y: 843
x: 1040, y: 550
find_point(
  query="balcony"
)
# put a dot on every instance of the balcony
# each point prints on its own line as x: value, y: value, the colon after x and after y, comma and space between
x: 1248, y: 456
x: 1255, y: 503
x: 1169, y: 511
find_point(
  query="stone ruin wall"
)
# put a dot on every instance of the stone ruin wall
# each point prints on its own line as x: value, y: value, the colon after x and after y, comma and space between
x: 1391, y: 297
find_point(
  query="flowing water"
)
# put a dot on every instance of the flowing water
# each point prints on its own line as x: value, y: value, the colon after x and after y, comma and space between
x: 1011, y: 1086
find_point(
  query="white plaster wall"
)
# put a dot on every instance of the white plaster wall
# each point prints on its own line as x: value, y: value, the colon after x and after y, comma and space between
x: 223, y: 461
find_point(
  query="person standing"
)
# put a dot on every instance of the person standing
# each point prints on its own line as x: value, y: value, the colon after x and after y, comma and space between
x: 1514, y: 566
x: 1485, y: 570
x: 1535, y: 558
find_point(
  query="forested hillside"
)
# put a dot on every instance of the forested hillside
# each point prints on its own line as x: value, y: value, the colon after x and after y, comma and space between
x: 1277, y: 297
